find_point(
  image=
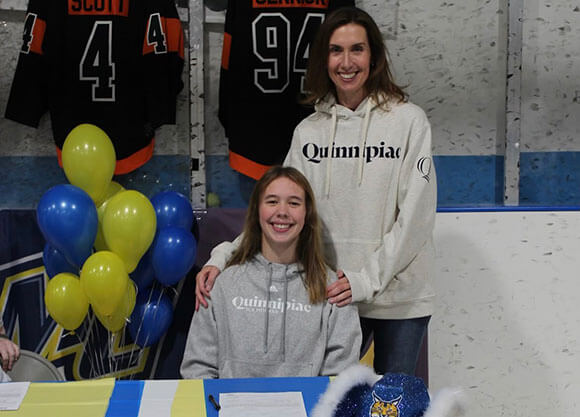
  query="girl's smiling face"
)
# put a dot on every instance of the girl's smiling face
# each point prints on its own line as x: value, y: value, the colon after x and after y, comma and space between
x: 282, y: 212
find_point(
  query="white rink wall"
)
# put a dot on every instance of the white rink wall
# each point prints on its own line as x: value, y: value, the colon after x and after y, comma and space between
x: 507, y: 323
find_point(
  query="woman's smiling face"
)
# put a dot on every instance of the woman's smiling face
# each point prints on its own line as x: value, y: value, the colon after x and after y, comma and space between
x: 349, y: 60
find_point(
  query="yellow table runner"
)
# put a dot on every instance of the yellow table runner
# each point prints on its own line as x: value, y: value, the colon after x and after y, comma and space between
x: 189, y: 399
x: 66, y: 399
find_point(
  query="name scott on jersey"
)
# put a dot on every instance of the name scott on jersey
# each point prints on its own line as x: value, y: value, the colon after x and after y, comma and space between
x: 99, y: 7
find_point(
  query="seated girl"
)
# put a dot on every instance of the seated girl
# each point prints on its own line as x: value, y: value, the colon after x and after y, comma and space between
x: 268, y: 315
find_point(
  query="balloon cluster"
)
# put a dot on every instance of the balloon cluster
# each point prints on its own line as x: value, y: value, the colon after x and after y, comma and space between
x: 98, y: 233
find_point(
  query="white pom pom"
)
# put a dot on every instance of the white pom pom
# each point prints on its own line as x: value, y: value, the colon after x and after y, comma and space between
x: 339, y: 387
x: 448, y: 402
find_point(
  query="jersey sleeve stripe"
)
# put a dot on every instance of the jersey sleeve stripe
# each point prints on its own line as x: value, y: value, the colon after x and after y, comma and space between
x: 247, y: 166
x: 174, y: 36
x: 226, y: 51
x: 38, y: 36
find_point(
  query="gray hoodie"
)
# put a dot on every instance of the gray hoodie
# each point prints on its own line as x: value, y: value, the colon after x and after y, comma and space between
x: 238, y: 337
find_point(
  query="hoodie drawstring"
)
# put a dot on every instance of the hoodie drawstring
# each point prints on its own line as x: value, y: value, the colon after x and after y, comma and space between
x: 268, y: 308
x: 267, y: 320
x: 330, y: 142
x: 363, y: 144
x: 283, y: 348
x: 363, y: 134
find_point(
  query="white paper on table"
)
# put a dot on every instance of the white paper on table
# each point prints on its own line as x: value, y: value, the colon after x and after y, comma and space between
x: 262, y: 404
x: 12, y: 394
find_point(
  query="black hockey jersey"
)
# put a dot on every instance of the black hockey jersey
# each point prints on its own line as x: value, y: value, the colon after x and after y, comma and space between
x: 264, y: 57
x: 114, y: 63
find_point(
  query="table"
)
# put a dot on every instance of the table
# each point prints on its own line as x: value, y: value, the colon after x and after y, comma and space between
x: 152, y: 398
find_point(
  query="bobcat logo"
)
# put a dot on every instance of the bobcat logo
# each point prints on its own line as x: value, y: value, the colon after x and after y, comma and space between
x: 381, y: 408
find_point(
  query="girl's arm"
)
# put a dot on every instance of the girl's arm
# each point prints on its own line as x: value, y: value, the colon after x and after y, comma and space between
x: 200, y: 358
x: 343, y: 341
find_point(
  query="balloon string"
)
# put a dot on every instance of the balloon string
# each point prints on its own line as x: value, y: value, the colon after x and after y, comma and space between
x: 98, y: 347
x: 135, y: 345
x: 90, y: 349
x: 115, y: 360
x: 123, y: 332
x: 99, y: 350
x: 87, y: 345
x: 121, y: 335
x: 156, y: 310
x: 177, y: 292
x: 83, y: 342
x: 110, y: 351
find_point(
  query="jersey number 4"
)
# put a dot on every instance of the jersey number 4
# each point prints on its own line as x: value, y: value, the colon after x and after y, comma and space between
x: 97, y: 64
x: 271, y: 42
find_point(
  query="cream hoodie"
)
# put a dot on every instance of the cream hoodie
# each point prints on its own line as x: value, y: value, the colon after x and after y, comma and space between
x: 374, y: 181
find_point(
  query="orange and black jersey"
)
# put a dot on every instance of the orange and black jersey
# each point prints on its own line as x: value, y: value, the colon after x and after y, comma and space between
x: 264, y: 59
x: 113, y: 63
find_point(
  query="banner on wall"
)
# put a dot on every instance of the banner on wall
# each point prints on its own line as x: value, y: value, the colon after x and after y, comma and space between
x: 91, y: 351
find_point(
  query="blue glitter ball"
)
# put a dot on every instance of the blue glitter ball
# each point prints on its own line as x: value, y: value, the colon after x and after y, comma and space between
x: 393, y: 395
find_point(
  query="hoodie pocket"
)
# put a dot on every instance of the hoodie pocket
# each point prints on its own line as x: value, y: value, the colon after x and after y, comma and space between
x: 233, y: 368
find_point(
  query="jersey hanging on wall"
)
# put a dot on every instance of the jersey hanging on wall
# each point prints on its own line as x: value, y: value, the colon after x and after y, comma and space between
x: 114, y: 63
x: 264, y: 58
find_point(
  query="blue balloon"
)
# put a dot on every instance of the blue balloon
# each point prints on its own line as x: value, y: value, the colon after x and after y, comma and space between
x: 151, y: 317
x: 173, y: 251
x: 172, y: 209
x: 55, y: 262
x: 68, y: 220
x: 144, y: 274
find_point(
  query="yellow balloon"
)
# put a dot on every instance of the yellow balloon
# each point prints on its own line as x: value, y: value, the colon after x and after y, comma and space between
x: 129, y: 226
x: 117, y: 320
x: 104, y: 279
x: 114, y: 188
x: 66, y: 301
x: 88, y: 160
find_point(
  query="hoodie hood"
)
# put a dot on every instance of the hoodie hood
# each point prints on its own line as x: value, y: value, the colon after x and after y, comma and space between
x: 328, y: 105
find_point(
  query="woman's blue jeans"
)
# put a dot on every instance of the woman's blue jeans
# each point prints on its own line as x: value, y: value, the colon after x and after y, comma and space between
x: 397, y: 343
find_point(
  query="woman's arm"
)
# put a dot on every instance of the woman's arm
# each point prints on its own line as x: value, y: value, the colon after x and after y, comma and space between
x: 339, y: 292
x: 205, y: 279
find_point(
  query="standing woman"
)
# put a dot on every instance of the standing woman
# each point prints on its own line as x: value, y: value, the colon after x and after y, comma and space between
x: 367, y: 154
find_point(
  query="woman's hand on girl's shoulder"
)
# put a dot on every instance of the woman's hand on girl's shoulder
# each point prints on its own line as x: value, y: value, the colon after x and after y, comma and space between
x: 204, y: 281
x: 339, y: 292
